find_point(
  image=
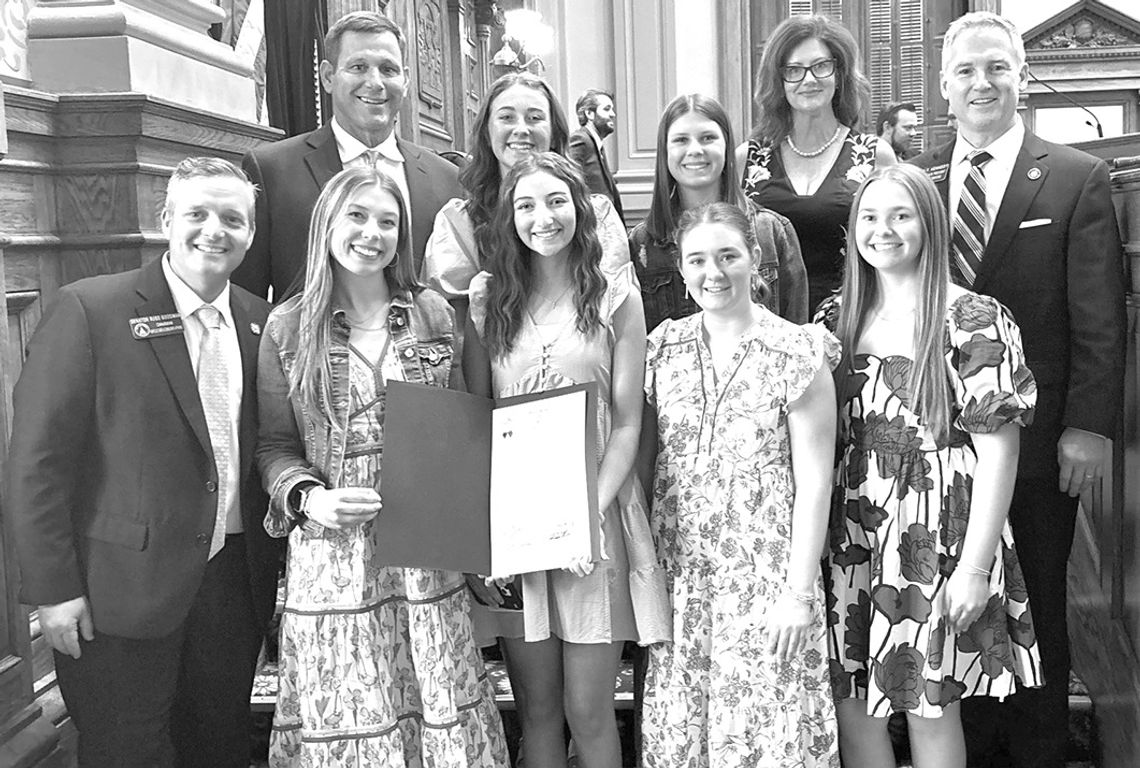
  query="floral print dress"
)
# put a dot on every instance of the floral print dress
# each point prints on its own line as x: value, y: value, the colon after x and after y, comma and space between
x: 721, y: 516
x: 378, y: 664
x: 899, y: 518
x: 820, y: 219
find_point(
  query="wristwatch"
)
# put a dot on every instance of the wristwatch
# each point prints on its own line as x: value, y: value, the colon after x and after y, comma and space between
x: 299, y: 500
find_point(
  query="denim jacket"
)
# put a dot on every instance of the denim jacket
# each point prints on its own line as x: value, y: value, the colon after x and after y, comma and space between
x: 781, y: 266
x: 295, y: 446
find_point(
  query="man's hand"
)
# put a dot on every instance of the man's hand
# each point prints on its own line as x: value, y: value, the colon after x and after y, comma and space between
x: 1081, y: 456
x: 63, y: 623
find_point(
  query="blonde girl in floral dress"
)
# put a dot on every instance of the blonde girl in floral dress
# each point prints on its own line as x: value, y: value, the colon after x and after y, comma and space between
x: 927, y: 603
x: 739, y: 429
x: 804, y: 160
x: 378, y: 663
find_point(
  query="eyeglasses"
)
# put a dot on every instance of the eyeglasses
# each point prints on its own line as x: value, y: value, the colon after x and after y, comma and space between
x: 794, y: 73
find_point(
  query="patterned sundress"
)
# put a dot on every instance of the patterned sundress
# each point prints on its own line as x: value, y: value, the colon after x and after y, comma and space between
x: 378, y: 664
x: 721, y: 517
x: 898, y: 521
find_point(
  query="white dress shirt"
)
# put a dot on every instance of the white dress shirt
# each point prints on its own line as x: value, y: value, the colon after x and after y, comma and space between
x: 187, y: 303
x: 351, y: 151
x: 997, y: 171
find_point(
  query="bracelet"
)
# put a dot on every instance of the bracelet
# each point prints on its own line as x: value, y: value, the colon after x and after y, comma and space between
x: 973, y: 569
x: 807, y: 598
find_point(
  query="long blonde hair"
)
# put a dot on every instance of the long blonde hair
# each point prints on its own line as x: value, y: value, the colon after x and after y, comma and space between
x: 311, y: 378
x: 928, y: 384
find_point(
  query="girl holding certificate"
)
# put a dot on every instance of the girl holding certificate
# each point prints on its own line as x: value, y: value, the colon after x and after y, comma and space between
x: 378, y: 664
x: 741, y: 414
x: 545, y: 316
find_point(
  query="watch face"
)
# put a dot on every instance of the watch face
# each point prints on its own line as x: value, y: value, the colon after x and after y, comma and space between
x: 512, y: 595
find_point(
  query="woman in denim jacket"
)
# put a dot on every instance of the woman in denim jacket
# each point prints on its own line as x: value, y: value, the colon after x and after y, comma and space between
x: 695, y: 166
x: 378, y: 665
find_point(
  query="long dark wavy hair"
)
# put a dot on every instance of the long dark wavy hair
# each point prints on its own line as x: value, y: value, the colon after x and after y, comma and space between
x: 311, y: 377
x: 510, y: 261
x: 481, y: 178
x: 852, y: 89
x: 665, y: 207
x: 927, y: 383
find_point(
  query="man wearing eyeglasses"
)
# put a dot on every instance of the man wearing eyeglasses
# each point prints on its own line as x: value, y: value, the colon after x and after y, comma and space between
x: 1033, y: 226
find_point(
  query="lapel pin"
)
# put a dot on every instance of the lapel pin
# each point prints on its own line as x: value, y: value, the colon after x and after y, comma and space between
x: 1034, y: 174
x: 255, y: 328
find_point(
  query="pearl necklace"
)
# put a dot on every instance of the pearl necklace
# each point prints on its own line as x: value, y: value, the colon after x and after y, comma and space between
x: 822, y: 149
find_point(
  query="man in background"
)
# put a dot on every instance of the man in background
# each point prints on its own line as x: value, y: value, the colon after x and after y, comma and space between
x: 1033, y: 226
x: 596, y: 116
x: 898, y: 125
x: 365, y: 74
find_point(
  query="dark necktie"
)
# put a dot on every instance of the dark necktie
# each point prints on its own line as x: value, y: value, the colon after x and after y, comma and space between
x: 969, y: 236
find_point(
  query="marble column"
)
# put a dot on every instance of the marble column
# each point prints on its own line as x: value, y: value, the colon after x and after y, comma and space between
x: 158, y: 48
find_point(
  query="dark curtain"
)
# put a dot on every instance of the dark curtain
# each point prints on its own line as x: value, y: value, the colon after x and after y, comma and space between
x: 293, y: 30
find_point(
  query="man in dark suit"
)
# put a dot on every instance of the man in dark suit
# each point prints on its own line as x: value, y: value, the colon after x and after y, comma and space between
x: 134, y: 502
x: 365, y: 76
x: 597, y: 117
x: 1050, y: 251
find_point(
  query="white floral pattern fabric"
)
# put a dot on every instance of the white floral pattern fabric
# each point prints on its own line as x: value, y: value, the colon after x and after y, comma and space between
x: 721, y: 517
x: 899, y: 518
x: 378, y: 664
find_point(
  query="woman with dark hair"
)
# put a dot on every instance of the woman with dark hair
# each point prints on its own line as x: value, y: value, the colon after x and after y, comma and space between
x: 805, y: 158
x: 519, y: 116
x: 547, y: 316
x: 378, y: 664
x: 695, y: 167
x: 928, y: 602
x: 738, y: 438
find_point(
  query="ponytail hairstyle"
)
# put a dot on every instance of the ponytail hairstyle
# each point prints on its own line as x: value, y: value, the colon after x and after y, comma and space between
x: 732, y: 216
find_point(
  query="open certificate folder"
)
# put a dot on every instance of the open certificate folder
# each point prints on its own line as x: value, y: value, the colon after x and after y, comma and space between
x: 490, y: 487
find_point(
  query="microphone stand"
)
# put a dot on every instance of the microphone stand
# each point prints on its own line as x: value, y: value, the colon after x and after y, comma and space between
x: 1094, y: 123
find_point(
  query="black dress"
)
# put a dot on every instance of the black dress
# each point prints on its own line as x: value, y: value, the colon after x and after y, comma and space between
x: 820, y: 219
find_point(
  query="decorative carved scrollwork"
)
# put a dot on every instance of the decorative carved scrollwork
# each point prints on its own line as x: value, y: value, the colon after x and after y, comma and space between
x: 430, y: 52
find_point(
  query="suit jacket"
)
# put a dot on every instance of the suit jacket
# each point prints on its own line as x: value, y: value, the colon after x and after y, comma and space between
x: 111, y: 477
x: 585, y: 152
x: 1054, y: 259
x: 290, y: 175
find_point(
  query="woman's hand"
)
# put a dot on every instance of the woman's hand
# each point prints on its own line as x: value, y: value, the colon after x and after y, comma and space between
x: 340, y: 508
x: 966, y: 597
x: 580, y: 566
x: 484, y: 589
x: 789, y: 621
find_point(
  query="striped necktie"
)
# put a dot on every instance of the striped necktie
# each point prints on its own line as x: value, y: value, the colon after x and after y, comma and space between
x: 969, y: 237
x: 214, y: 391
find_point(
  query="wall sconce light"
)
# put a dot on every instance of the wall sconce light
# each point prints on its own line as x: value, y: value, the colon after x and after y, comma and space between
x: 526, y: 39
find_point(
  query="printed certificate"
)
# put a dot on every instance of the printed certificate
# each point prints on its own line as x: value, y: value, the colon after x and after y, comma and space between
x: 494, y: 488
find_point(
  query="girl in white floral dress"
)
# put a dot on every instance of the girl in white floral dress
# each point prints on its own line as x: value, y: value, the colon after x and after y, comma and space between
x: 741, y: 414
x: 927, y: 603
x: 378, y: 664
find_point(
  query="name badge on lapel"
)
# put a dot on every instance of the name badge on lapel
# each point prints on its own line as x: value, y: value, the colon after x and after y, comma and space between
x: 938, y: 172
x: 156, y: 325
